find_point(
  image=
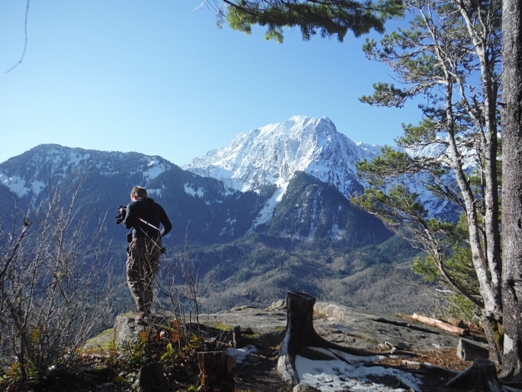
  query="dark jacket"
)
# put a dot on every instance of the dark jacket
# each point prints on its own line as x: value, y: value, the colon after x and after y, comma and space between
x: 146, y: 209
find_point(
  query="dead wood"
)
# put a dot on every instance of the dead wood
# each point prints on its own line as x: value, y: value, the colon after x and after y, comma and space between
x: 441, y: 324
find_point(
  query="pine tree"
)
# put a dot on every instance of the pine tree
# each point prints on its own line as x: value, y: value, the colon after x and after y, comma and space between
x: 450, y: 56
x: 329, y: 18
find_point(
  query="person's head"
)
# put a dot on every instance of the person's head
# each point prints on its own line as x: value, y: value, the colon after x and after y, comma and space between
x: 137, y: 192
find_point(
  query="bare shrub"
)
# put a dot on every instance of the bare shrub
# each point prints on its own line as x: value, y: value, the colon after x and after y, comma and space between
x: 179, y: 286
x: 54, y: 285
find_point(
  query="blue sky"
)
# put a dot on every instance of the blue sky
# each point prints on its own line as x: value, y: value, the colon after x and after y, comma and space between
x: 161, y: 78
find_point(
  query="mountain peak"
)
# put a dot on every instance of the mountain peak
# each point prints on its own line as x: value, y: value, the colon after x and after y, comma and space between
x: 272, y: 154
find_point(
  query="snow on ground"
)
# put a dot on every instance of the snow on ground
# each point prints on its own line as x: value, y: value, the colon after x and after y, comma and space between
x: 240, y: 354
x: 348, y: 372
x: 344, y: 372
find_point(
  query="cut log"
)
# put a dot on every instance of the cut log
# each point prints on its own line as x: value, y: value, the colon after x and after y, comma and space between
x: 441, y: 324
x: 215, y: 371
x: 481, y: 376
x: 300, y: 336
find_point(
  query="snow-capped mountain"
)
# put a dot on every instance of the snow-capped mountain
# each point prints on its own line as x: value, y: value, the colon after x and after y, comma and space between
x: 267, y: 214
x: 272, y: 154
x: 290, y: 179
x: 214, y: 211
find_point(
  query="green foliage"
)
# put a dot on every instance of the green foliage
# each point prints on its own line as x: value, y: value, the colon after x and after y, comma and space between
x: 396, y: 205
x: 330, y: 19
x: 460, y: 267
x: 137, y: 354
x: 14, y: 375
x: 427, y: 268
x: 386, y: 95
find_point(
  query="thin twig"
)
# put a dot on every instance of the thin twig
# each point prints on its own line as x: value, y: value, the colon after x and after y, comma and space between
x: 25, y: 41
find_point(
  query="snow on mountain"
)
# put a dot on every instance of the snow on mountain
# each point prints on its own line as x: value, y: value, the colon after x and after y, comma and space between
x: 28, y: 174
x: 214, y: 212
x: 272, y: 154
x: 265, y: 161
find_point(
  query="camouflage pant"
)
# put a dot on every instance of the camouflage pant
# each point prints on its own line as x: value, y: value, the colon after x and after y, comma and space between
x: 142, y: 265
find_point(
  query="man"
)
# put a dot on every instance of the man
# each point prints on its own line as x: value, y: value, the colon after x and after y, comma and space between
x: 144, y: 216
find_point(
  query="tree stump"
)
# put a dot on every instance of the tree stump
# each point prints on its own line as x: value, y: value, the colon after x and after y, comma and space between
x: 237, y: 339
x: 481, y: 376
x: 300, y: 335
x: 215, y: 371
x: 151, y: 378
x: 468, y: 350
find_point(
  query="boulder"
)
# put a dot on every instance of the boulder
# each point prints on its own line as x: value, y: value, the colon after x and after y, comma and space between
x: 278, y: 305
x: 126, y: 331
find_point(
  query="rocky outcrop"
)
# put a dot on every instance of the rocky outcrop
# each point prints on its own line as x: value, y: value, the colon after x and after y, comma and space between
x: 339, y: 324
x: 344, y: 325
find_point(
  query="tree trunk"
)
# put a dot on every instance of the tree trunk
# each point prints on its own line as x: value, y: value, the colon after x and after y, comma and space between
x: 151, y: 378
x: 511, y: 113
x: 300, y: 335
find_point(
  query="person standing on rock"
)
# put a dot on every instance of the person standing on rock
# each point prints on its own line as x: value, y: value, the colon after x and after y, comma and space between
x: 144, y: 216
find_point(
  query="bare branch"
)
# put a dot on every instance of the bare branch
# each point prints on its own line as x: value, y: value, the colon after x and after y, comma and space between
x: 25, y: 41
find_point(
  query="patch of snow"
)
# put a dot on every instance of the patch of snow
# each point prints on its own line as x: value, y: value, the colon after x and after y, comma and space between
x: 267, y: 212
x: 200, y: 192
x: 240, y: 354
x: 154, y: 169
x: 37, y: 187
x: 345, y: 372
x: 336, y: 232
x: 16, y: 184
x: 154, y: 192
x: 273, y: 153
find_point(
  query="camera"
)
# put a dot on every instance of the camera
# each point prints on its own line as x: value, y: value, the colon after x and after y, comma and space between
x: 122, y: 214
